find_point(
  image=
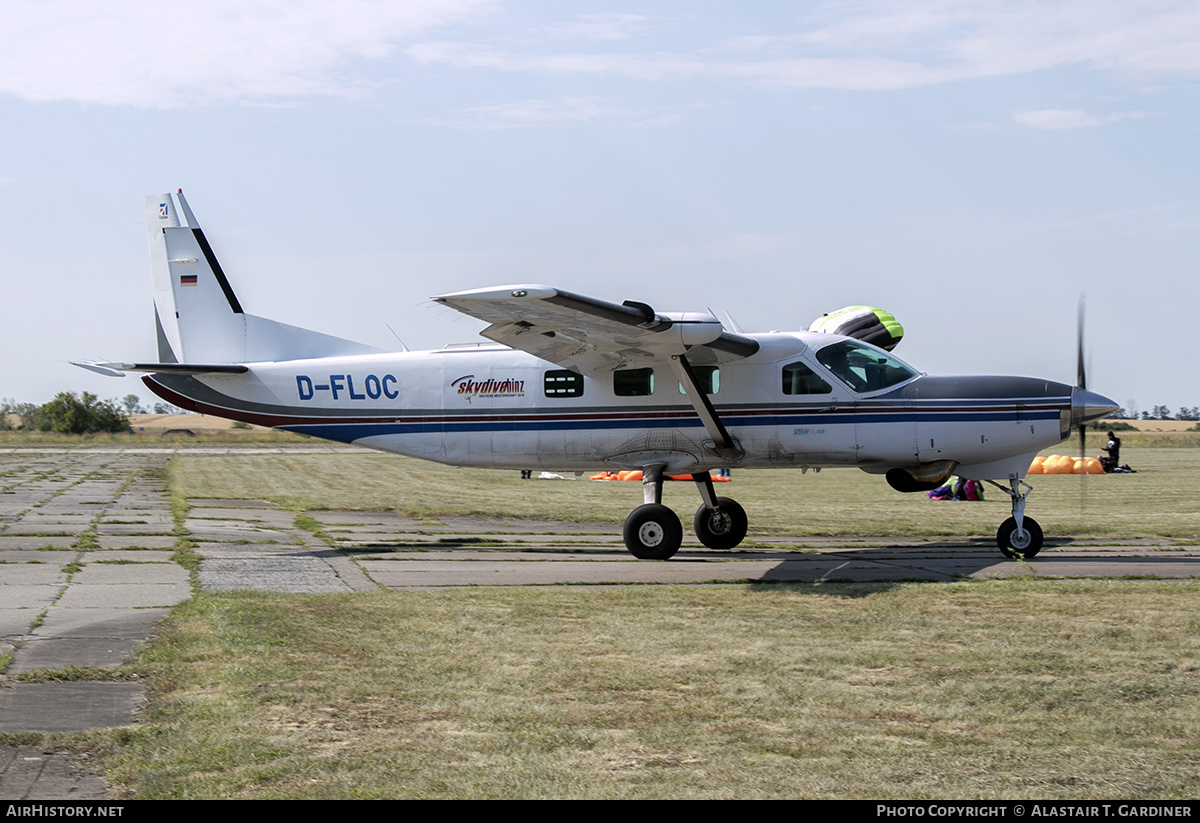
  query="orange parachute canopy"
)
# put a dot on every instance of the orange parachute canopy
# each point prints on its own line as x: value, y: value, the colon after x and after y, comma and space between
x: 637, y: 475
x: 1064, y: 464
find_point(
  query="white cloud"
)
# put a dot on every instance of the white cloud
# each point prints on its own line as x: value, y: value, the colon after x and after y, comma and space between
x: 188, y: 53
x: 613, y: 26
x: 893, y: 44
x: 475, y: 56
x: 193, y: 53
x: 554, y: 112
x: 854, y: 74
x: 974, y: 38
x: 1058, y: 119
x: 562, y: 111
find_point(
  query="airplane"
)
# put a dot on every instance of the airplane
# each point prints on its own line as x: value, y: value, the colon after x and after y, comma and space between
x: 572, y: 383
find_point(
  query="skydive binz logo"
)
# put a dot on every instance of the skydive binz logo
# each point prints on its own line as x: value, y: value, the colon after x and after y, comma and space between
x: 373, y: 387
x: 471, y: 388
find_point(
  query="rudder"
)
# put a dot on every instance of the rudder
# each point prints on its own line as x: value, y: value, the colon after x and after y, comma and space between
x: 198, y: 317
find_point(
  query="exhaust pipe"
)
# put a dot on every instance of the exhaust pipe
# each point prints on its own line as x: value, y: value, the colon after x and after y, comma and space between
x: 922, y: 478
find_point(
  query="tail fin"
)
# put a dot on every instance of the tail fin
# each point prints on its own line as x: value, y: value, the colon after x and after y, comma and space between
x: 197, y: 314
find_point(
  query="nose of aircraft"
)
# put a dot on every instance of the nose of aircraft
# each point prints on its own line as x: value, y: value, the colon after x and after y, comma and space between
x: 1087, y: 406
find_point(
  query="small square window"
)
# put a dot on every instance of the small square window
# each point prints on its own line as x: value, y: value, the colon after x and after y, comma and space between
x: 633, y: 382
x: 708, y: 378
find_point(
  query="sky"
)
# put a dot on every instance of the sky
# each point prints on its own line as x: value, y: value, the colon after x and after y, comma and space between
x: 971, y: 166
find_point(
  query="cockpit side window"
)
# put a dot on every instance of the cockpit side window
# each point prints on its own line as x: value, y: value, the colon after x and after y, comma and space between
x: 798, y: 378
x: 864, y: 368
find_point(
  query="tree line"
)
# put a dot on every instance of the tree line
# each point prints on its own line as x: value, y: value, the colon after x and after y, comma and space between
x: 1159, y: 413
x: 68, y: 414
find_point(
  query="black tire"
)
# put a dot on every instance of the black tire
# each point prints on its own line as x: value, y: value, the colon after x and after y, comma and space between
x: 1021, y: 547
x: 722, y: 528
x: 653, y: 532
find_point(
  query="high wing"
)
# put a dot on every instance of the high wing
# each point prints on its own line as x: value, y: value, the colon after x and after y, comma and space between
x: 593, y: 336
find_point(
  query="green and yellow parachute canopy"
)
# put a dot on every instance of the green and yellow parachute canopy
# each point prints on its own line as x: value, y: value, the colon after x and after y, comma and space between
x: 866, y: 323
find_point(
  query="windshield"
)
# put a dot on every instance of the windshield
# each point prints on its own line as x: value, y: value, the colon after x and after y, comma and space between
x: 864, y: 368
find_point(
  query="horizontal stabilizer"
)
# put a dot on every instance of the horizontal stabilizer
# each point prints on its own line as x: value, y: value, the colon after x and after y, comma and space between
x: 119, y: 369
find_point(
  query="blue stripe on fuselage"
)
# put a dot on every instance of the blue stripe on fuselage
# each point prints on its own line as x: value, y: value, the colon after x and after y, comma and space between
x: 349, y: 432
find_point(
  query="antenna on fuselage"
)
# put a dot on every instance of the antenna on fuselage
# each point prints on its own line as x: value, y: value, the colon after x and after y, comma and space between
x: 393, y: 331
x: 734, y: 326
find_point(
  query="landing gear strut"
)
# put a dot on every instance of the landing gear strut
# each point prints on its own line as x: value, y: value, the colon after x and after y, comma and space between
x: 1019, y: 537
x: 653, y: 532
x: 720, y: 523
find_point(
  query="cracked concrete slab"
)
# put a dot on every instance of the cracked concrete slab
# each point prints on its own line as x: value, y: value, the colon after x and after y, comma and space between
x: 65, y: 707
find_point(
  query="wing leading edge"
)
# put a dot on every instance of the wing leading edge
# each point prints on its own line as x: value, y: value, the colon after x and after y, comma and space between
x: 592, y: 336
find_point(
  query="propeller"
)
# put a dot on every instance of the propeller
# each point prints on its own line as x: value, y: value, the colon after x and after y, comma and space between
x: 1081, y: 384
x: 1086, y: 406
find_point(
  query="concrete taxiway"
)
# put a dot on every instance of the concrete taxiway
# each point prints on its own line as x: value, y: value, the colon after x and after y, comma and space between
x: 88, y: 566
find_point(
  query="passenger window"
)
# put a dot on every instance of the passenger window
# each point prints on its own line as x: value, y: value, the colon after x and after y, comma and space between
x: 633, y: 382
x: 708, y: 378
x: 798, y: 378
x: 563, y: 384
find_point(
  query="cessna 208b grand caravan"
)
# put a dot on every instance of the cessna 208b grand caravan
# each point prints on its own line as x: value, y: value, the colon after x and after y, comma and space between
x: 571, y: 383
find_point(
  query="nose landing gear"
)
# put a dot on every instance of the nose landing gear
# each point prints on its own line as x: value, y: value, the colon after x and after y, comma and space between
x: 1019, y: 537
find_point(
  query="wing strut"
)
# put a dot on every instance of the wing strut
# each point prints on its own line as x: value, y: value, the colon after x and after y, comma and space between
x: 722, y: 443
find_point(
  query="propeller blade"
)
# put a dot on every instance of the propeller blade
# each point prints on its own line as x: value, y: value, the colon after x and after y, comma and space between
x: 1080, y: 371
x: 1081, y: 382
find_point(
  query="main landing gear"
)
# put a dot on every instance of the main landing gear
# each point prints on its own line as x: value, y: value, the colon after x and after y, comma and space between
x: 1019, y: 537
x: 653, y: 532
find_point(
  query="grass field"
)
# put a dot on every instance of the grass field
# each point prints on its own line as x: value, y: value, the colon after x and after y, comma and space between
x: 1158, y: 501
x: 980, y: 689
x: 973, y: 690
x: 154, y: 438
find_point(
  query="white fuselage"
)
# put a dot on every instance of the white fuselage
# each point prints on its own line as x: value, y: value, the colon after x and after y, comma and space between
x: 491, y: 406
